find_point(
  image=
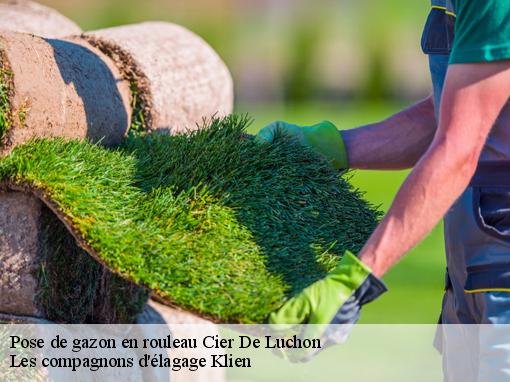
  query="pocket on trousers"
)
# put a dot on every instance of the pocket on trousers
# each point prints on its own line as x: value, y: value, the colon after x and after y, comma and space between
x: 488, y: 278
x: 492, y: 210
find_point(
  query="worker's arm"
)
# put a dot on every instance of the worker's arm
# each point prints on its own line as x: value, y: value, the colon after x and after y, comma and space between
x: 472, y: 99
x: 395, y: 143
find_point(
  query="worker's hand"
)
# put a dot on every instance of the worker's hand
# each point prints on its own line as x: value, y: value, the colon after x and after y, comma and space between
x: 329, y: 308
x: 323, y: 137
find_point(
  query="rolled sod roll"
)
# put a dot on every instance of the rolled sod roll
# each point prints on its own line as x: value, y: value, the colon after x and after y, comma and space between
x: 59, y: 88
x: 29, y: 17
x: 177, y: 79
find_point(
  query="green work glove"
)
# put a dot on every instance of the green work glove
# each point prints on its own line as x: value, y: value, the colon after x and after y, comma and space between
x: 323, y: 137
x: 330, y: 307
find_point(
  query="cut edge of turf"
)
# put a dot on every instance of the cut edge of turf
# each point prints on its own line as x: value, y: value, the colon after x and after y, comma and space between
x: 6, y: 94
x: 141, y: 99
x: 81, y: 242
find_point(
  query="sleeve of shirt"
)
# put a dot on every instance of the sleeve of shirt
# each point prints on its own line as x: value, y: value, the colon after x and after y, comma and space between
x: 482, y: 31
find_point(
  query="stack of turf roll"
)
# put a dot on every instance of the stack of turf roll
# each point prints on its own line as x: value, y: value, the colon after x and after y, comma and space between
x: 54, y: 83
x: 65, y: 87
x: 56, y: 88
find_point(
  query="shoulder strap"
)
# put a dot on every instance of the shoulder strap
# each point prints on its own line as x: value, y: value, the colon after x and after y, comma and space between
x: 445, y: 5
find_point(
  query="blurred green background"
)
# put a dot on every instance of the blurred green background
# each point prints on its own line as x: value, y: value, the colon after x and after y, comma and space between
x: 349, y: 61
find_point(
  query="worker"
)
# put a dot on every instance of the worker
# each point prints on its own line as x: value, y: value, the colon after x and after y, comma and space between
x: 458, y: 143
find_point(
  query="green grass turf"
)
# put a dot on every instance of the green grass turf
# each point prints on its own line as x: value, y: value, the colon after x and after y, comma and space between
x: 214, y: 223
x: 416, y: 283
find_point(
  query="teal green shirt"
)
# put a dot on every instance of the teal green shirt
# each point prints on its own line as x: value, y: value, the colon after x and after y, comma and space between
x: 482, y: 31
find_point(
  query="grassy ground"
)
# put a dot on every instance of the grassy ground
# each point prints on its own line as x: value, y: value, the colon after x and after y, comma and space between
x: 416, y: 283
x: 211, y: 222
